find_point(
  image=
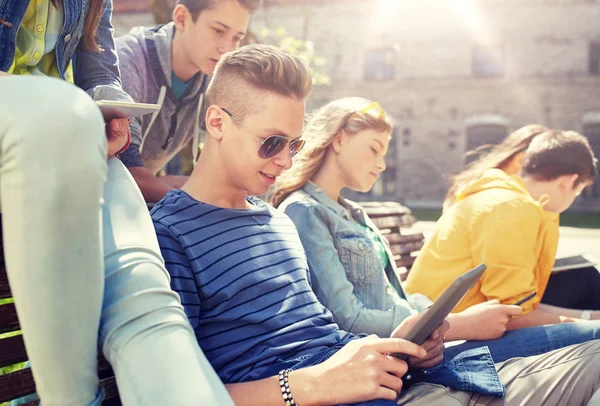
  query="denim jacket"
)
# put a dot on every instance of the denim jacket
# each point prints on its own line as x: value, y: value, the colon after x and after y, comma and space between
x: 345, y: 269
x: 95, y: 72
x: 347, y: 278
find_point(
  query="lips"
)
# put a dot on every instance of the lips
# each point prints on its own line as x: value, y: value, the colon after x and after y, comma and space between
x: 270, y: 179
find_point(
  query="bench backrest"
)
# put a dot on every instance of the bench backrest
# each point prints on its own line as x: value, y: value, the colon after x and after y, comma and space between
x: 20, y: 383
x: 395, y: 221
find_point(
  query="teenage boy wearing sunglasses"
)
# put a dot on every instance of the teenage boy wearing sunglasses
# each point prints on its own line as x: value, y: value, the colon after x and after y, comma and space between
x: 241, y: 272
x: 172, y: 65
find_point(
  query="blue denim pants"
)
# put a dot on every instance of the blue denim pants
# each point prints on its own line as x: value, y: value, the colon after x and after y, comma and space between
x: 83, y: 260
x: 530, y: 341
x: 471, y: 370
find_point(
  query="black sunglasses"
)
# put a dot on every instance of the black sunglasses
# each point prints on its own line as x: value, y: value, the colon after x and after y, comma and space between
x: 272, y: 145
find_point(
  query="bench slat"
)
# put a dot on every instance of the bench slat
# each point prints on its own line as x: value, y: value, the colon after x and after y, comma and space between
x: 406, y: 248
x: 395, y: 238
x: 8, y: 318
x: 16, y: 385
x: 405, y: 261
x: 4, y: 288
x: 393, y: 222
x: 20, y: 383
x: 12, y: 351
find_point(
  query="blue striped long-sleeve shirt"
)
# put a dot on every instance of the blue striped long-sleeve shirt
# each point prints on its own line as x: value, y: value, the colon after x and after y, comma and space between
x: 242, y: 276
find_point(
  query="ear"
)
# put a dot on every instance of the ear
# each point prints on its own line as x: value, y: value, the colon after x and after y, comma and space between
x: 181, y: 16
x: 567, y: 182
x: 518, y: 161
x: 214, y: 122
x: 338, y: 141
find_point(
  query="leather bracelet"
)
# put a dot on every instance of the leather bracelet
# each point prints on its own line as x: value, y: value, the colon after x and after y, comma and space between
x: 586, y: 314
x: 285, y: 388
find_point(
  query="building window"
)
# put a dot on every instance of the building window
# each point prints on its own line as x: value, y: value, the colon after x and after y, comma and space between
x: 406, y: 137
x: 592, y: 133
x: 595, y: 58
x: 488, y: 61
x: 380, y: 64
x: 483, y: 135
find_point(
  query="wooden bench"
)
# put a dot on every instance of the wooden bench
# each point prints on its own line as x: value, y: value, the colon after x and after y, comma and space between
x: 395, y: 221
x: 12, y: 351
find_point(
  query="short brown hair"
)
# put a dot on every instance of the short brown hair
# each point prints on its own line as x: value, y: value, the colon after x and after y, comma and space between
x: 198, y: 6
x: 555, y: 153
x: 241, y: 75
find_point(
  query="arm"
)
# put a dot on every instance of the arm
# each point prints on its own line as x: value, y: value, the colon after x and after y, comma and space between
x: 483, y: 321
x: 505, y: 240
x: 359, y: 372
x: 180, y: 270
x: 336, y: 292
x: 98, y: 72
x: 546, y: 314
x: 152, y: 187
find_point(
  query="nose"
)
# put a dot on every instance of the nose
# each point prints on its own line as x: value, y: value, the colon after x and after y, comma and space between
x: 227, y: 45
x: 284, y: 158
x: 381, y: 164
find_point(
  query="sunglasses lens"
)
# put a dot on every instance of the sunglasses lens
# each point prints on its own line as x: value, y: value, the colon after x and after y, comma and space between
x: 296, y: 146
x: 272, y: 146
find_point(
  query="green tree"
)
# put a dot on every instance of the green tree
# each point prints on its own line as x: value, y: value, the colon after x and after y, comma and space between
x: 301, y: 48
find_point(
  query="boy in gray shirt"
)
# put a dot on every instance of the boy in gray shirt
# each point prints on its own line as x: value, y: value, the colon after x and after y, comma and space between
x: 173, y: 64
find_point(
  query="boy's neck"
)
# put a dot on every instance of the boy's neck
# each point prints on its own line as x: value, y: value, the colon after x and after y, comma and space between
x: 181, y: 65
x: 541, y: 191
x: 210, y: 186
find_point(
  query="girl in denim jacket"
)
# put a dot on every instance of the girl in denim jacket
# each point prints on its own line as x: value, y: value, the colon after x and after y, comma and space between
x: 349, y: 259
x: 82, y: 257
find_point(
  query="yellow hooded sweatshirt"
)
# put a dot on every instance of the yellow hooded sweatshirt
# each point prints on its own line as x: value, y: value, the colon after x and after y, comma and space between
x: 497, y: 222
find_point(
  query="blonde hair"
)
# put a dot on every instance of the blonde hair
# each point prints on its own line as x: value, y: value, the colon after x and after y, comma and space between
x: 322, y: 127
x: 241, y: 77
x: 498, y: 156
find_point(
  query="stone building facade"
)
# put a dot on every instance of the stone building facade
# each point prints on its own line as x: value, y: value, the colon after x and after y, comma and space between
x: 453, y: 74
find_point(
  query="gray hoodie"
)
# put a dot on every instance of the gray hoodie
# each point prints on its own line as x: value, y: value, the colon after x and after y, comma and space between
x: 145, y: 61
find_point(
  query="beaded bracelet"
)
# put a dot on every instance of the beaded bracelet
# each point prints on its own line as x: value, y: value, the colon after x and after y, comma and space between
x: 285, y: 388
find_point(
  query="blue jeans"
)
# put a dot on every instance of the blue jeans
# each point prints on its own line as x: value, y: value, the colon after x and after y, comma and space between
x: 472, y: 370
x: 533, y: 340
x: 83, y: 260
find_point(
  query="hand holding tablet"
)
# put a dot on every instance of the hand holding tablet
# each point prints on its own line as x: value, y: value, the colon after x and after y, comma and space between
x: 438, y: 311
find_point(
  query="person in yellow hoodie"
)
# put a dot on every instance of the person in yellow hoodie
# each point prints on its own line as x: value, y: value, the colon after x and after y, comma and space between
x: 511, y: 224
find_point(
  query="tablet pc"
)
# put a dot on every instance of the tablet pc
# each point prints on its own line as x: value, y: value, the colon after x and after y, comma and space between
x: 438, y: 311
x: 114, y: 109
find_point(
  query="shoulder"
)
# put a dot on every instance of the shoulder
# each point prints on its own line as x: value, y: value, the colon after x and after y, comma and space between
x: 300, y: 202
x: 519, y: 210
x: 173, y: 209
x: 132, y: 40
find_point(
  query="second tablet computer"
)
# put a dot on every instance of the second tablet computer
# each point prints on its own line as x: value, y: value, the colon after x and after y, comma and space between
x: 438, y: 311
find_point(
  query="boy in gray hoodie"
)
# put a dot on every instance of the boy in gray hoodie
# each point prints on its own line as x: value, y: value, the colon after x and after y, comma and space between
x: 172, y: 64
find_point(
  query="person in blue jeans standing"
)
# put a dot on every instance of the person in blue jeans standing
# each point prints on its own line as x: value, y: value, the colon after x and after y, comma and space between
x: 82, y: 258
x: 349, y: 259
